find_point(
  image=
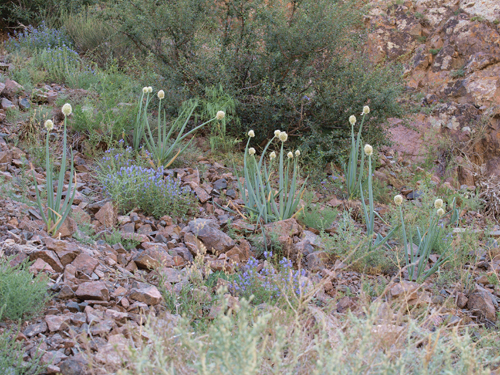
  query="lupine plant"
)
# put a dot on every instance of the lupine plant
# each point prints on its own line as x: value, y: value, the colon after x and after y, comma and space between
x: 258, y: 193
x: 56, y: 212
x: 417, y: 260
x: 38, y: 38
x: 164, y: 147
x: 351, y: 175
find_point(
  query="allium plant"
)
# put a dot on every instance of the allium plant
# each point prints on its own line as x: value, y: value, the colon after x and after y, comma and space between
x: 417, y: 260
x: 351, y: 175
x: 56, y: 212
x: 261, y: 198
x: 131, y: 185
x: 270, y: 284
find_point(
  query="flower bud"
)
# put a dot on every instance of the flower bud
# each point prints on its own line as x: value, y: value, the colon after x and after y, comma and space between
x: 150, y: 89
x: 440, y: 212
x: 277, y: 133
x: 297, y: 153
x: 251, y: 151
x: 398, y: 199
x: 66, y: 109
x: 220, y: 115
x: 283, y: 136
x: 161, y: 94
x: 290, y: 155
x: 352, y: 119
x: 251, y: 134
x: 368, y: 150
x: 366, y: 110
x: 272, y: 155
x: 49, y: 125
x: 438, y: 203
x: 144, y: 90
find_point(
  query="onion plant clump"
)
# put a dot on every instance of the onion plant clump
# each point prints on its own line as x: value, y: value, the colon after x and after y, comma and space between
x: 417, y: 259
x: 264, y: 200
x: 57, y: 210
x: 132, y: 185
x: 165, y: 148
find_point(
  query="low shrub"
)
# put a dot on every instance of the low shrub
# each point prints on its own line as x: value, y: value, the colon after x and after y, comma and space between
x: 11, y: 356
x: 21, y: 294
x: 132, y: 185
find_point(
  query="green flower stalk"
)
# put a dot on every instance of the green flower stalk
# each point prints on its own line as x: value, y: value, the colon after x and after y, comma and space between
x: 56, y: 213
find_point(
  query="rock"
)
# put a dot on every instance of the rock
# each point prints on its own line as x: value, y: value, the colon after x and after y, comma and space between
x: 212, y: 237
x: 487, y: 9
x: 41, y: 266
x: 24, y: 104
x: 93, y: 290
x: 145, y: 293
x: 112, y: 353
x: 57, y: 322
x: 66, y: 292
x: 407, y: 289
x: 481, y: 305
x: 68, y: 228
x: 107, y: 215
x: 12, y: 89
x: 315, y: 261
x: 35, y: 329
x: 202, y: 195
x: 85, y: 264
x: 6, y: 104
x: 461, y: 300
x: 220, y: 184
x: 154, y: 257
x: 49, y: 257
x: 73, y: 366
x: 285, y: 228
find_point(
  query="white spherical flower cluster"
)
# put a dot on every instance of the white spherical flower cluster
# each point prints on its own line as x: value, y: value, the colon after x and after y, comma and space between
x: 150, y: 89
x: 272, y: 155
x: 145, y: 90
x: 440, y: 212
x: 66, y: 109
x: 251, y: 134
x: 297, y: 153
x: 277, y: 133
x: 161, y: 94
x: 438, y: 203
x: 220, y: 115
x: 283, y: 136
x: 49, y: 125
x: 251, y: 151
x: 398, y: 199
x: 290, y: 155
x: 368, y: 150
x: 352, y: 119
x: 366, y: 110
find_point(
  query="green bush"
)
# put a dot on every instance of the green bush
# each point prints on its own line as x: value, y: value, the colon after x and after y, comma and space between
x: 21, y: 294
x: 297, y: 68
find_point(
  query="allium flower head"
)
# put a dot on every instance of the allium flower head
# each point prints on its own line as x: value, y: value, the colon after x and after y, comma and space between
x: 352, y: 119
x: 272, y: 155
x: 150, y: 89
x: 66, y: 109
x: 251, y: 134
x: 438, y: 203
x: 368, y: 150
x: 277, y: 133
x: 366, y: 110
x: 440, y: 212
x: 49, y: 125
x: 290, y: 155
x: 251, y: 151
x: 297, y: 153
x: 161, y: 94
x: 398, y: 199
x: 145, y: 90
x: 220, y: 115
x: 283, y: 136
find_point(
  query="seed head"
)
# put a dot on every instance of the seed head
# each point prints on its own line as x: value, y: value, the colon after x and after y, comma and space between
x: 398, y: 199
x: 440, y: 212
x: 438, y: 203
x: 283, y: 136
x: 220, y: 115
x: 352, y: 119
x: 251, y: 134
x: 161, y: 94
x: 368, y: 150
x: 251, y: 151
x: 366, y: 110
x: 49, y: 125
x: 66, y: 109
x: 272, y: 155
x: 297, y: 153
x: 290, y: 155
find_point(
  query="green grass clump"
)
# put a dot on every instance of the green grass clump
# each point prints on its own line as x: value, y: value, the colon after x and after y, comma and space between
x: 21, y: 294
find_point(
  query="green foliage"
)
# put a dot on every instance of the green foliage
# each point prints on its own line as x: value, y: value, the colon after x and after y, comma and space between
x: 56, y: 213
x: 22, y: 296
x: 351, y: 176
x: 316, y: 217
x: 278, y: 76
x: 262, y: 199
x: 116, y: 237
x: 434, y: 51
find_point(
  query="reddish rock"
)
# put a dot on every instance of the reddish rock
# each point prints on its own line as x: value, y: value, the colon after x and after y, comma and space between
x: 93, y: 290
x: 68, y: 228
x: 208, y: 232
x: 146, y: 293
x: 41, y: 266
x: 480, y: 304
x: 57, y: 322
x: 12, y: 89
x: 49, y: 257
x: 107, y: 215
x: 85, y: 263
